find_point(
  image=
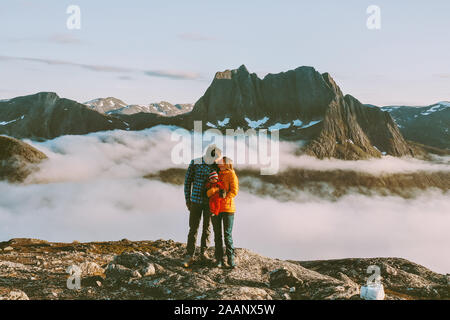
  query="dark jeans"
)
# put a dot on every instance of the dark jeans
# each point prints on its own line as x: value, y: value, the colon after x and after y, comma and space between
x: 196, y: 213
x: 226, y: 220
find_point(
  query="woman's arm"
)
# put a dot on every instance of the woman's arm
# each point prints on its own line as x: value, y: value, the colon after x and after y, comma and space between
x: 233, y: 186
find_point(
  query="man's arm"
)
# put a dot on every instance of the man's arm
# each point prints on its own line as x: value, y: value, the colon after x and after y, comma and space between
x: 188, y: 179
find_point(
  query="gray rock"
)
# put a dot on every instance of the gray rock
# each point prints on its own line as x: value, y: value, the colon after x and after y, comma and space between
x: 12, y: 294
x: 132, y: 260
x: 148, y: 270
x: 283, y: 277
x: 117, y: 271
x: 243, y: 293
x: 90, y: 268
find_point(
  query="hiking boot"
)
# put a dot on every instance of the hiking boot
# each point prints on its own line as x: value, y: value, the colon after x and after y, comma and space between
x: 188, y: 261
x: 231, y: 262
x: 204, y: 257
x: 219, y: 263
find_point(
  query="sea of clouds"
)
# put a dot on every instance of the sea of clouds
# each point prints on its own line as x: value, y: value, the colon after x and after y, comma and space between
x: 120, y: 154
x: 92, y: 188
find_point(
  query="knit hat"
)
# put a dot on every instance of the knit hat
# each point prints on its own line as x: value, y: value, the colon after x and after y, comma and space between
x: 213, y: 176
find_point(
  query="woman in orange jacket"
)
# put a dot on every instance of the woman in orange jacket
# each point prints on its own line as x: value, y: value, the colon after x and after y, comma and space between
x: 225, y: 218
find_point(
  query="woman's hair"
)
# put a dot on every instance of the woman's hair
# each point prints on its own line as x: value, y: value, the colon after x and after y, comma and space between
x: 228, y: 163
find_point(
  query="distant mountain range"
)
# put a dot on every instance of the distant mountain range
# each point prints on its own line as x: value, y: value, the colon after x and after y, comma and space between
x: 302, y: 104
x: 428, y: 125
x: 113, y: 105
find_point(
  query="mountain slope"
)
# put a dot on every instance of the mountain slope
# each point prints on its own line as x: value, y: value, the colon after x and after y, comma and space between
x: 353, y: 131
x: 45, y: 115
x: 428, y: 125
x: 17, y: 159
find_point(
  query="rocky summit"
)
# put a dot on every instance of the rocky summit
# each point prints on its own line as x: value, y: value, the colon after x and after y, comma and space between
x: 302, y: 104
x: 37, y: 269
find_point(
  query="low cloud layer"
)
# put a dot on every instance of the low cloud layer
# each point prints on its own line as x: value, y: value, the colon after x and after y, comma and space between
x: 91, y: 188
x: 121, y: 154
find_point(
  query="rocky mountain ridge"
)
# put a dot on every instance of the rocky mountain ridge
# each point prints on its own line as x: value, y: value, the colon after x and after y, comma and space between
x: 45, y: 116
x: 37, y: 269
x: 300, y: 104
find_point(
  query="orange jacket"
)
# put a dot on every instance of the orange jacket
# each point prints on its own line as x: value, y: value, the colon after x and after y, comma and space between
x: 231, y: 185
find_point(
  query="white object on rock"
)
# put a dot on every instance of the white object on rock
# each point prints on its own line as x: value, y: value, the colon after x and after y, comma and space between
x: 373, y: 291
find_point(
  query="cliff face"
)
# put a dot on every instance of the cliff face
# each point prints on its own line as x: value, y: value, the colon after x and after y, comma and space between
x: 309, y: 105
x: 297, y: 94
x: 36, y: 269
x: 353, y: 131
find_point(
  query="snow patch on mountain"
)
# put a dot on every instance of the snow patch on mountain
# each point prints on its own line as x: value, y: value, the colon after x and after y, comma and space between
x: 279, y: 126
x: 444, y: 103
x: 297, y: 123
x: 224, y: 122
x: 437, y: 107
x: 256, y: 124
x: 311, y: 123
x: 4, y: 123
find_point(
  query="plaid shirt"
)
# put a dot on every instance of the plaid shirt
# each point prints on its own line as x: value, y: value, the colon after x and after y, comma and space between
x: 196, y: 177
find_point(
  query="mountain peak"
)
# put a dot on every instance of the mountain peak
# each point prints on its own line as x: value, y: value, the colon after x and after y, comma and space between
x: 228, y: 74
x: 242, y: 68
x: 47, y: 94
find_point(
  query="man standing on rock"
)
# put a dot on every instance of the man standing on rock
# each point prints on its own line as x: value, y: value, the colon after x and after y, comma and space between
x: 197, y: 201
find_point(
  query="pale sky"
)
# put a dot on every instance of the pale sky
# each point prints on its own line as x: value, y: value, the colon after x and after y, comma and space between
x: 145, y: 51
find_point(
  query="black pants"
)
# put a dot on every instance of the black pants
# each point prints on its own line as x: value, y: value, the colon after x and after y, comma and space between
x: 225, y: 220
x: 196, y: 213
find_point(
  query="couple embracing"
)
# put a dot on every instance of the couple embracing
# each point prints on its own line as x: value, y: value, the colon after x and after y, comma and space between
x: 210, y: 187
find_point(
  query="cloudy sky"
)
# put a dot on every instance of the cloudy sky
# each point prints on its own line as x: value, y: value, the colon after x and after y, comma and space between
x: 169, y: 50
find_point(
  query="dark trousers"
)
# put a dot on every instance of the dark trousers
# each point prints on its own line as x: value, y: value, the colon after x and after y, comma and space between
x: 197, y: 211
x: 225, y: 220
